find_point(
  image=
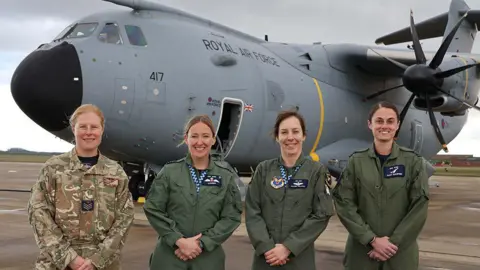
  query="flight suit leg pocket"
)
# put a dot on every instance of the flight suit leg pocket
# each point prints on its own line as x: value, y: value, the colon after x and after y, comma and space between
x: 326, y: 204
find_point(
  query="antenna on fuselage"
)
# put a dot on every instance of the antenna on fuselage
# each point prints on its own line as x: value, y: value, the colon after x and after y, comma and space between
x: 266, y: 37
x: 133, y: 4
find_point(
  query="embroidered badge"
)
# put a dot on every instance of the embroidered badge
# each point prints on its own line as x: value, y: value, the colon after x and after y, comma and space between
x: 394, y: 171
x: 298, y: 183
x: 277, y: 183
x: 212, y: 180
x: 110, y: 182
x: 88, y: 205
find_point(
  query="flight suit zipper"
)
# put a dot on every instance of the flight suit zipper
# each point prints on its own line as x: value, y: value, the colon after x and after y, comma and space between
x: 195, y: 207
x: 283, y: 210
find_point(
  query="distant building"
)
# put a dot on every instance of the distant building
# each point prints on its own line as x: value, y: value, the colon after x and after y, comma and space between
x: 455, y: 160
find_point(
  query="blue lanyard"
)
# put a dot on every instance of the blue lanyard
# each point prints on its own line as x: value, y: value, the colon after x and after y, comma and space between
x: 197, y: 181
x: 283, y: 171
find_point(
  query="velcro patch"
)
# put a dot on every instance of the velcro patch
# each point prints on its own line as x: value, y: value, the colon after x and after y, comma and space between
x: 298, y: 183
x: 212, y: 180
x: 394, y: 171
x: 88, y: 205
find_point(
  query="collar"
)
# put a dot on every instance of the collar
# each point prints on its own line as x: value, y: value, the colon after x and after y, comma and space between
x: 393, y: 154
x: 211, y: 163
x: 76, y: 164
x: 299, y: 161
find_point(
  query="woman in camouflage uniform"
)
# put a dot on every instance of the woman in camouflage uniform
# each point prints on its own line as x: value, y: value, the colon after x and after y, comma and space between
x: 80, y: 208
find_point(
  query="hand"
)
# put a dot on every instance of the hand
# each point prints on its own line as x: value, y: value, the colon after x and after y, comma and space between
x: 189, y: 247
x: 384, y: 248
x: 277, y: 255
x: 87, y: 265
x: 180, y: 255
x: 376, y: 256
x: 76, y: 263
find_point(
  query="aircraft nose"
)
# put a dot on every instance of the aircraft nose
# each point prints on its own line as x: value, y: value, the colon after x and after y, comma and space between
x: 47, y: 86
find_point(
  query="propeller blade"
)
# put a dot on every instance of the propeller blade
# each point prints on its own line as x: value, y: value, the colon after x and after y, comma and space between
x: 381, y: 92
x: 453, y: 71
x: 438, y: 58
x: 417, y: 48
x: 398, y: 64
x: 404, y: 113
x: 434, y: 123
x: 457, y: 99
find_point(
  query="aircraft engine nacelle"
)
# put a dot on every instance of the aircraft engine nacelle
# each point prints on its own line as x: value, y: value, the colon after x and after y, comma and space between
x: 464, y: 86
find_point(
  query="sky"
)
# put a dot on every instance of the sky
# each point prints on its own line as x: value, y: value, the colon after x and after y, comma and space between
x: 25, y: 24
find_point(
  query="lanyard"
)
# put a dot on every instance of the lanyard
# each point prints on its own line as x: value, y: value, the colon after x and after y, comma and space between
x: 196, y: 180
x: 283, y: 171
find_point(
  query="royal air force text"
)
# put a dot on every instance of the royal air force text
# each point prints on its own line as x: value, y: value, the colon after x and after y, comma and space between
x: 225, y: 47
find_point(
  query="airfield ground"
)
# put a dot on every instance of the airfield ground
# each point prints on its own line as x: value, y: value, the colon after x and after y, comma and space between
x: 450, y: 240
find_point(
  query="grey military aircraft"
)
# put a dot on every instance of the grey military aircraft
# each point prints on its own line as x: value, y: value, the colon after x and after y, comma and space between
x: 150, y: 67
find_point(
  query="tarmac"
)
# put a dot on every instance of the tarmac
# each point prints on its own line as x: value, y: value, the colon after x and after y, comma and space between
x: 449, y: 240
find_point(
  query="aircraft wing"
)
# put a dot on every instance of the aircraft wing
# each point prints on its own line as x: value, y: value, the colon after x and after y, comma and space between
x: 376, y: 60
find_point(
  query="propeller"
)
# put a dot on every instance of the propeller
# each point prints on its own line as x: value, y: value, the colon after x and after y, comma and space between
x: 426, y: 80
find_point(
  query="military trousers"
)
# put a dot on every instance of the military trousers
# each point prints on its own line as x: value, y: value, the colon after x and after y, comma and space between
x: 164, y: 258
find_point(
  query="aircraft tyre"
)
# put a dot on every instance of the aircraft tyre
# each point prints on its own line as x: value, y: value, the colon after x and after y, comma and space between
x: 136, y: 186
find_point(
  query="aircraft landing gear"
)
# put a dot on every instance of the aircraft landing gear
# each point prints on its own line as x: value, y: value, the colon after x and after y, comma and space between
x: 140, y: 179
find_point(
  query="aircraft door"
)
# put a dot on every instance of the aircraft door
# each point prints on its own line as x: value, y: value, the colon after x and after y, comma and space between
x: 231, y: 115
x: 417, y: 136
x: 123, y: 101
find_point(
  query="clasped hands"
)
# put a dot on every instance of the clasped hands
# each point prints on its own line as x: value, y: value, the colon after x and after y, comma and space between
x: 80, y: 263
x: 277, y: 255
x: 188, y: 248
x: 382, y: 249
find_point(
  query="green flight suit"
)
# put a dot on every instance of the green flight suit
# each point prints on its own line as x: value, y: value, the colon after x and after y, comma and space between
x: 293, y: 215
x: 174, y: 210
x: 389, y: 200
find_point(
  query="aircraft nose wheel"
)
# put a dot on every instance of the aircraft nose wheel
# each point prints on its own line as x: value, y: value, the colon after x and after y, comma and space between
x: 136, y: 185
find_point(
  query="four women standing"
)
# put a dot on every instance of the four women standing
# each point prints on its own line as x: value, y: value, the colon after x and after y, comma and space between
x: 194, y: 203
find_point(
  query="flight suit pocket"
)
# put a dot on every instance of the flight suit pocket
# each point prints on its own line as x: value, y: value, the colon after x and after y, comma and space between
x: 274, y: 190
x: 179, y: 190
x: 68, y: 199
x: 326, y: 204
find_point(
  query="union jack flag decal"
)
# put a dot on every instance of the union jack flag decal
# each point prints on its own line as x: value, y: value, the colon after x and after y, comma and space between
x: 249, y: 107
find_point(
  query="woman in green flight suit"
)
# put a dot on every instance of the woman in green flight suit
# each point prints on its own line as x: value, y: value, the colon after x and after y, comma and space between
x: 382, y: 199
x: 194, y: 205
x: 288, y: 204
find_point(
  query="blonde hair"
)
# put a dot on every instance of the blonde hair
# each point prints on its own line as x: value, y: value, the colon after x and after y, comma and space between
x: 195, y: 120
x: 85, y: 108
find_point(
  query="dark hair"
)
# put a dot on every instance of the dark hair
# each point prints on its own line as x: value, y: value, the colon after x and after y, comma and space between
x: 199, y: 119
x: 281, y: 116
x: 383, y: 104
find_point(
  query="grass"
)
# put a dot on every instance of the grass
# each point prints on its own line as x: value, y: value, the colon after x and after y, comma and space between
x: 447, y: 171
x: 23, y: 158
x: 457, y: 171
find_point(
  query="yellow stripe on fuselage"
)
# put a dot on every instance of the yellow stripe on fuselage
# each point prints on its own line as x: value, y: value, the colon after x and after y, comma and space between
x: 313, y: 155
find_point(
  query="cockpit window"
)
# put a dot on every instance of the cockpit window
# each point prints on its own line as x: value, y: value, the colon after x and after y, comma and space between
x: 110, y: 34
x: 135, y: 35
x: 79, y: 30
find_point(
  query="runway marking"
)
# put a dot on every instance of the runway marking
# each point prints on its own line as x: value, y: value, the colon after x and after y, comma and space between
x: 12, y: 171
x: 10, y: 211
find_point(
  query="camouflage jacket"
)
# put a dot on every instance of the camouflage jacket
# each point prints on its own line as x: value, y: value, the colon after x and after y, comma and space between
x: 76, y: 210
